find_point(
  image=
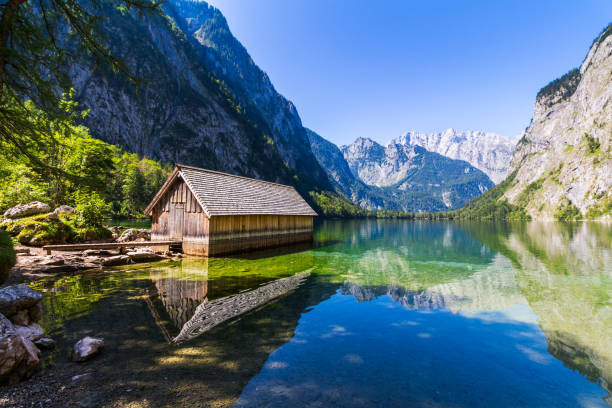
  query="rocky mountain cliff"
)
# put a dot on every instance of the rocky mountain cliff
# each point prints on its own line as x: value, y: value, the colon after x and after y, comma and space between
x: 204, y: 102
x: 230, y: 62
x: 562, y: 167
x: 488, y: 152
x: 399, y: 177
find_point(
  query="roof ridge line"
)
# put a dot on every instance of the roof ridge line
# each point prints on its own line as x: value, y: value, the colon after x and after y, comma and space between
x: 234, y: 175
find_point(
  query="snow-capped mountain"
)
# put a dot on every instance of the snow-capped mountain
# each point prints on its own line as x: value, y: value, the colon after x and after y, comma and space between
x: 488, y: 152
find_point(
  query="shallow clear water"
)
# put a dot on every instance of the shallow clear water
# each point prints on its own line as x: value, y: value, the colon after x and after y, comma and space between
x: 390, y: 313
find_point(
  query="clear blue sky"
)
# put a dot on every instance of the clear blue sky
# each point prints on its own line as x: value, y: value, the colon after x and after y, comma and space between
x: 379, y: 68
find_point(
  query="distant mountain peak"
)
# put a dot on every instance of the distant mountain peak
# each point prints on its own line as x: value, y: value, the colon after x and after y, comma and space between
x: 398, y: 176
x: 489, y: 152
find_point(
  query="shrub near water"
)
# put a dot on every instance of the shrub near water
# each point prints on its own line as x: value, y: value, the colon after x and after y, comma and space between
x: 7, y: 255
x: 44, y: 229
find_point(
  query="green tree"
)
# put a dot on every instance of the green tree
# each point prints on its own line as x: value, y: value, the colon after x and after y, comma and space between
x: 38, y: 40
x: 91, y: 209
x: 134, y: 192
x: 82, y: 162
x: 7, y: 255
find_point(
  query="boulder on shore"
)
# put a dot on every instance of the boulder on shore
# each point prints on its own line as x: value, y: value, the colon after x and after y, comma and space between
x: 25, y: 210
x: 87, y: 348
x: 132, y: 234
x: 18, y: 356
x: 64, y: 209
x: 18, y: 297
x: 32, y: 332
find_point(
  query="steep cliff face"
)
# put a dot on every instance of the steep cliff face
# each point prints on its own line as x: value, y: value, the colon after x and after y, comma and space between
x: 398, y: 177
x: 226, y: 57
x: 185, y: 111
x: 488, y: 152
x: 563, y: 163
x: 332, y: 160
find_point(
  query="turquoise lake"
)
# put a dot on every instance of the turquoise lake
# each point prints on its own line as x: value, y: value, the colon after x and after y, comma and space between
x: 373, y: 313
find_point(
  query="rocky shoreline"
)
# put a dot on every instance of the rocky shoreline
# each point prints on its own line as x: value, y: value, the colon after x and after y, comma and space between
x: 69, y: 383
x: 33, y: 263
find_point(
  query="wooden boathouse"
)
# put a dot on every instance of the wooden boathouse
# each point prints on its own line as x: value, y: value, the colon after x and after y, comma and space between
x: 216, y: 213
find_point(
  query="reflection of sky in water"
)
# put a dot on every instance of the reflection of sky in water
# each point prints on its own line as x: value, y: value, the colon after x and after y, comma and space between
x: 350, y: 353
x: 392, y: 313
x: 515, y: 313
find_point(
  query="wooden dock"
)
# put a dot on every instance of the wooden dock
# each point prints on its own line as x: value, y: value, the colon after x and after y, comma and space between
x: 109, y: 245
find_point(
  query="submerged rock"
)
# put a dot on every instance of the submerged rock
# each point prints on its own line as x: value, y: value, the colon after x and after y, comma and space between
x: 18, y: 356
x: 24, y: 210
x: 45, y: 343
x: 142, y: 256
x: 116, y: 260
x: 87, y: 348
x: 81, y: 378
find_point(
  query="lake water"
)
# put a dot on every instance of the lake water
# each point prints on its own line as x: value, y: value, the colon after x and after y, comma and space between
x: 377, y: 313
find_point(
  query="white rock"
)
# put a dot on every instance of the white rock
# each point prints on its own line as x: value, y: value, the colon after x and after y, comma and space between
x: 87, y: 348
x: 64, y: 209
x: 24, y: 210
x: 554, y: 152
x: 132, y: 234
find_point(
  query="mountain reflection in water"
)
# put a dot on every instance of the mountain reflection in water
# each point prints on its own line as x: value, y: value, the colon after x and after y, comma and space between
x: 378, y: 312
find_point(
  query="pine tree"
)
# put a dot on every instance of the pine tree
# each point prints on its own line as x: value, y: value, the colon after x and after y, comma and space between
x: 134, y: 192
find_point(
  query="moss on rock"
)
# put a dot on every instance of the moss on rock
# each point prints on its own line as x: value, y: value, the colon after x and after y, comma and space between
x: 48, y: 229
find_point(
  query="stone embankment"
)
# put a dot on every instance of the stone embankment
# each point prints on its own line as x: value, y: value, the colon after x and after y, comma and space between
x: 33, y: 263
x: 21, y: 337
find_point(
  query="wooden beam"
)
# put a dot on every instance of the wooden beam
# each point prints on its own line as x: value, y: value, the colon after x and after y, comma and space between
x: 106, y: 245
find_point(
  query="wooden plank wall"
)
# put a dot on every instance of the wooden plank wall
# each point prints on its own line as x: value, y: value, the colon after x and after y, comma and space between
x: 229, y: 224
x: 245, y: 232
x: 229, y: 245
x: 222, y: 234
x: 164, y: 217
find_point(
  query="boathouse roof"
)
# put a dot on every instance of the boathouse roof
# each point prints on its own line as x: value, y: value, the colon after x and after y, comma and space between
x: 228, y: 194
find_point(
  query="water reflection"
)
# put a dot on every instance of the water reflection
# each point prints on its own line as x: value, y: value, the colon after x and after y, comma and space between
x: 379, y: 312
x: 564, y: 272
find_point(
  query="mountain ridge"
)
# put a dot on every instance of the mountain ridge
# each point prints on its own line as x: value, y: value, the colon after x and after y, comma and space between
x: 488, y: 152
x: 562, y: 164
x: 405, y: 178
x: 188, y: 110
